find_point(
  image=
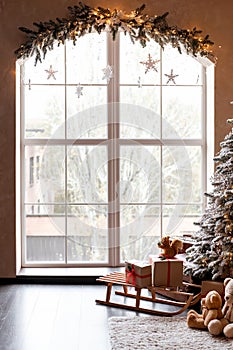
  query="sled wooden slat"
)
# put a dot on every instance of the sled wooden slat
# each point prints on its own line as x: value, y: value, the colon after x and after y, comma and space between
x: 118, y: 278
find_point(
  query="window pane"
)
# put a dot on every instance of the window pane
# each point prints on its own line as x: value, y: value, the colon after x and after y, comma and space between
x: 139, y: 231
x: 86, y: 59
x: 137, y: 122
x: 139, y: 174
x: 179, y: 219
x: 182, y: 112
x: 188, y: 69
x: 87, y: 114
x: 49, y: 178
x: 181, y: 174
x: 146, y: 96
x: 87, y: 174
x: 137, y: 62
x: 49, y: 71
x: 87, y: 233
x: 44, y: 112
x: 32, y: 164
x: 44, y: 233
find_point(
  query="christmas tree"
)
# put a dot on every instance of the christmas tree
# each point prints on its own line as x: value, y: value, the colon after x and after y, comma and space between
x: 211, y: 255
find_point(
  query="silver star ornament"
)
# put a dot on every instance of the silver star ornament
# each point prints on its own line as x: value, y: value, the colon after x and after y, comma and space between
x: 51, y: 72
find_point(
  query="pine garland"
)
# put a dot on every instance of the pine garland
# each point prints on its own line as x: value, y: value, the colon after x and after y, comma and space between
x: 83, y: 19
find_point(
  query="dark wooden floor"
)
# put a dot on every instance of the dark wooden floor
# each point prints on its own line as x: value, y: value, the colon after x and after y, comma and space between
x: 54, y: 317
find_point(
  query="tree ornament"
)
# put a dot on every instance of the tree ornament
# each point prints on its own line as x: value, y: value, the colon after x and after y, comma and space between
x: 150, y: 64
x: 79, y: 90
x: 171, y: 77
x: 51, y: 72
x: 139, y: 82
x: 108, y: 73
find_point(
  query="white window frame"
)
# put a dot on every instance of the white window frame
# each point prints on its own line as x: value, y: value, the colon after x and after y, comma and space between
x: 207, y: 144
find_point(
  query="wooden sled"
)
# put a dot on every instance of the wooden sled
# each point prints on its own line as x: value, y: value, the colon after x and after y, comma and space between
x: 118, y: 278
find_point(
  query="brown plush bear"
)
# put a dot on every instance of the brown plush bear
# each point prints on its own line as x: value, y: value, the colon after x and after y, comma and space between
x: 170, y: 249
x: 211, y: 309
x: 225, y: 324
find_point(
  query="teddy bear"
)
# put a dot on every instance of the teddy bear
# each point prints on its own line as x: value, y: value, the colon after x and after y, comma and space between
x: 211, y: 307
x: 170, y: 249
x: 225, y: 324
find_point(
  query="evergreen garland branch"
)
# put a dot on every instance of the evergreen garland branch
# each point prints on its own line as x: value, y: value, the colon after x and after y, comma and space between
x: 83, y: 19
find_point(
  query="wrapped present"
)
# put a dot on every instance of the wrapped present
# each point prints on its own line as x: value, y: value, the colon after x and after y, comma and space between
x: 207, y: 286
x: 138, y: 273
x: 166, y: 272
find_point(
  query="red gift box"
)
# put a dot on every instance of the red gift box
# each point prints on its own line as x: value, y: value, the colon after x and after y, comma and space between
x: 138, y: 273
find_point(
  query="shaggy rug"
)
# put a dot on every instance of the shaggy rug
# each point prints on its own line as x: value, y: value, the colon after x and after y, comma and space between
x: 164, y: 333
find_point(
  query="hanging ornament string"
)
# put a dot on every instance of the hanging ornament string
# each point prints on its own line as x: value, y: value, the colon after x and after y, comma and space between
x: 83, y: 19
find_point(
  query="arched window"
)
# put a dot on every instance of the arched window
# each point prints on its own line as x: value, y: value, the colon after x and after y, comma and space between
x: 114, y: 150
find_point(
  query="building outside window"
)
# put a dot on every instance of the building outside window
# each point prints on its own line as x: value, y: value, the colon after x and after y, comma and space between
x: 119, y: 137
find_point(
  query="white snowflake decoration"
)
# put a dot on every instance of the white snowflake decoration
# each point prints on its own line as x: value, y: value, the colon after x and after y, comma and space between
x: 150, y: 64
x: 79, y: 90
x: 108, y: 73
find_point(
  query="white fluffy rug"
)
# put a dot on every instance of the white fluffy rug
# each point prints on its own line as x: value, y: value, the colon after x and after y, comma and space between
x: 163, y: 333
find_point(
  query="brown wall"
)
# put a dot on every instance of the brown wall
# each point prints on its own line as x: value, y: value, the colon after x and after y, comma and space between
x: 214, y: 17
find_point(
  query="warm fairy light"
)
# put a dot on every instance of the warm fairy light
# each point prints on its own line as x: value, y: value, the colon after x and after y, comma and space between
x: 88, y: 19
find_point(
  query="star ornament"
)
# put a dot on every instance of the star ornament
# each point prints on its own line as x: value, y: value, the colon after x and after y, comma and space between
x: 79, y: 90
x: 171, y: 77
x: 150, y: 64
x: 51, y: 72
x: 108, y: 73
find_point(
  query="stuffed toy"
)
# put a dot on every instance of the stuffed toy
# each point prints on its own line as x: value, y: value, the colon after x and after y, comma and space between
x: 225, y: 324
x: 211, y: 309
x: 170, y: 249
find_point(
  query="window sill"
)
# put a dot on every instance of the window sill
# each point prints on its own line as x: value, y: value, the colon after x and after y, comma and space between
x: 63, y: 275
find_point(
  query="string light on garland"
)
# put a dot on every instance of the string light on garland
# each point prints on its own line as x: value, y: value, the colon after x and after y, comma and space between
x: 150, y: 64
x: 83, y: 19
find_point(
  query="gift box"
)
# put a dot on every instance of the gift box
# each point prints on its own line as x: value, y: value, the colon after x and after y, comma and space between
x: 138, y: 273
x: 207, y: 286
x: 166, y: 272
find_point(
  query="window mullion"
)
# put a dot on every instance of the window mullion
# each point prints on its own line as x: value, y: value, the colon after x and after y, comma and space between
x: 113, y: 153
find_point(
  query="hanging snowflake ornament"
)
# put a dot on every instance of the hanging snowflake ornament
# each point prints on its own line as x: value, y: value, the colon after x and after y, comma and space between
x: 108, y: 73
x: 79, y: 90
x: 139, y: 82
x: 171, y: 77
x: 51, y: 72
x: 150, y: 64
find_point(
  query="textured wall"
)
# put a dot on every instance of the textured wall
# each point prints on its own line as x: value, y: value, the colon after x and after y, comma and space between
x: 214, y: 17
